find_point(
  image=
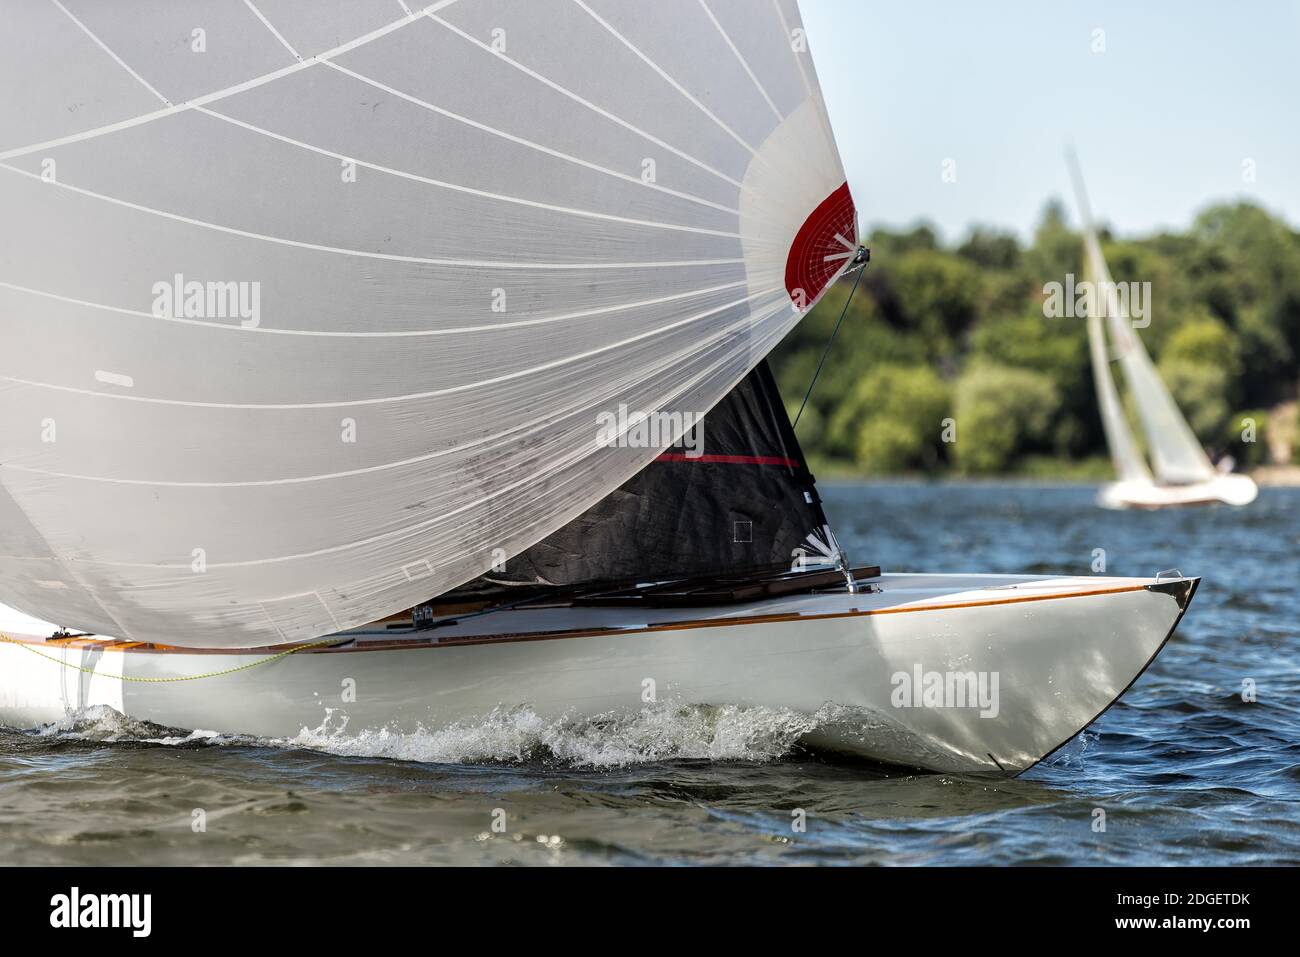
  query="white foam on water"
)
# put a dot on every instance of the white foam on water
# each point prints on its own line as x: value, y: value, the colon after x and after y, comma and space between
x: 657, y: 733
x: 102, y: 723
x: 96, y: 723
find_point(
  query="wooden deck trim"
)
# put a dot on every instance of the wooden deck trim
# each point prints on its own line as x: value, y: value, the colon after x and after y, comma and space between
x: 348, y: 646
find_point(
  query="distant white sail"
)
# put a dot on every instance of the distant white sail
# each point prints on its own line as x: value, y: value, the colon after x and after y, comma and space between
x: 309, y: 312
x: 1129, y: 464
x: 1176, y: 454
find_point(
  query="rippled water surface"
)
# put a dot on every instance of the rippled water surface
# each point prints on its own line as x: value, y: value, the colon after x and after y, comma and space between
x: 1185, y: 770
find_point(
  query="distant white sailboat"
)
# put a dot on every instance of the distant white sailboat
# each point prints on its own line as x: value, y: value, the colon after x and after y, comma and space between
x: 1180, y: 472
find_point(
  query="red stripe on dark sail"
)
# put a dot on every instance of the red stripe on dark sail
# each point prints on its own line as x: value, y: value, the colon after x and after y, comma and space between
x: 730, y: 459
x: 819, y: 250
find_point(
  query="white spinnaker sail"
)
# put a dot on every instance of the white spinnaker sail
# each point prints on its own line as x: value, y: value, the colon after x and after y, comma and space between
x: 418, y: 256
x: 1176, y: 454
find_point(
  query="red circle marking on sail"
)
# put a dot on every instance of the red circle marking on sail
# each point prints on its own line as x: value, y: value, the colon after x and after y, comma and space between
x: 825, y: 242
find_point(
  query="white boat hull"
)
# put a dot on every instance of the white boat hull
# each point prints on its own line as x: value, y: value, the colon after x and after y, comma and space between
x: 1225, y: 489
x: 1062, y: 651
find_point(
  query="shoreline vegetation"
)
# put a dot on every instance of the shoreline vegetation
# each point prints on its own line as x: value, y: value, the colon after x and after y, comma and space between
x: 1091, y: 472
x: 948, y: 366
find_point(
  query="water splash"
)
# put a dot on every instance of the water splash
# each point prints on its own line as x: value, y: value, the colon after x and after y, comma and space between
x: 660, y: 732
x: 1074, y: 753
x: 98, y: 723
x: 104, y: 724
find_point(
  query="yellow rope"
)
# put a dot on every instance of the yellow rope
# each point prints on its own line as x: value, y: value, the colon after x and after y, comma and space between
x: 211, y: 674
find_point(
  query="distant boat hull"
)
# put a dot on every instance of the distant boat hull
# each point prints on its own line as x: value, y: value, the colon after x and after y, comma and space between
x: 1222, y: 489
x: 1038, y: 658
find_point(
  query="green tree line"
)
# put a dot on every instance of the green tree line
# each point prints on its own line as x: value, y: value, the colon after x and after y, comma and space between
x: 959, y: 333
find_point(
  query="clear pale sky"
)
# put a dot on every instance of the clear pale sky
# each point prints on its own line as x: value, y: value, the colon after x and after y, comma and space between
x: 1162, y: 120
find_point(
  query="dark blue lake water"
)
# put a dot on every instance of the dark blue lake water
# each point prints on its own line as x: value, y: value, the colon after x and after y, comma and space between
x: 1185, y: 771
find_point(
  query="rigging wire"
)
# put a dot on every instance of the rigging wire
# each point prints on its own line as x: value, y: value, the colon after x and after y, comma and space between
x: 859, y: 263
x: 211, y: 674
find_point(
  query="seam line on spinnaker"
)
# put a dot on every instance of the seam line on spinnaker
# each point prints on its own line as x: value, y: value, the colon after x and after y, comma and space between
x: 600, y: 111
x: 224, y: 92
x: 274, y: 32
x: 727, y: 331
x: 360, y: 253
x: 388, y: 400
x: 459, y: 188
x: 785, y: 27
x: 636, y: 51
x: 105, y: 47
x: 485, y: 444
x: 393, y: 334
x: 814, y: 92
x: 522, y: 141
x: 740, y: 58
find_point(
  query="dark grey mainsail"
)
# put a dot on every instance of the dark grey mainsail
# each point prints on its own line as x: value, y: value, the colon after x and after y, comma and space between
x: 735, y: 498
